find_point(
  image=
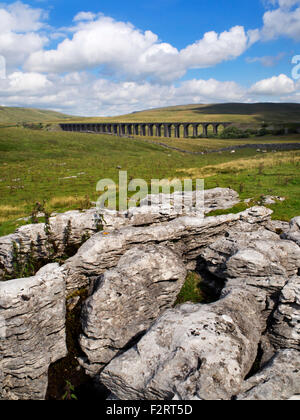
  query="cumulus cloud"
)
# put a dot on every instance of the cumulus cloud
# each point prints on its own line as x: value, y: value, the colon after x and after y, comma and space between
x: 276, y: 85
x: 84, y: 94
x: 19, y: 36
x: 27, y: 82
x: 84, y: 16
x: 121, y: 48
x: 144, y: 69
x: 20, y: 18
x: 282, y: 21
x: 214, y: 48
x: 282, y: 3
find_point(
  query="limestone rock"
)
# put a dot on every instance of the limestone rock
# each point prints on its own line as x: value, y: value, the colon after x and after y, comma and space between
x: 127, y: 300
x: 188, y: 202
x: 258, y: 260
x: 293, y: 234
x: 191, y: 352
x: 278, y: 380
x: 33, y: 311
x: 277, y: 226
x: 270, y: 199
x: 71, y: 229
x: 187, y: 236
x: 284, y: 331
x: 65, y: 230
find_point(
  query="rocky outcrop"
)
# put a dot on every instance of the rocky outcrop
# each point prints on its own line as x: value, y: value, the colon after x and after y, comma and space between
x: 188, y: 203
x: 191, y: 352
x: 46, y: 242
x: 284, y: 331
x: 185, y: 235
x: 127, y: 300
x: 68, y: 231
x: 278, y: 380
x: 258, y: 260
x: 132, y: 271
x: 293, y: 234
x: 33, y: 312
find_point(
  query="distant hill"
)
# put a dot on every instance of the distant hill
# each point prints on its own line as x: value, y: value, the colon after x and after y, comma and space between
x: 10, y: 115
x: 238, y: 113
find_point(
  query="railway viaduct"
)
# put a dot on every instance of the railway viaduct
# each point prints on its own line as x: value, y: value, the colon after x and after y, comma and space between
x: 160, y: 129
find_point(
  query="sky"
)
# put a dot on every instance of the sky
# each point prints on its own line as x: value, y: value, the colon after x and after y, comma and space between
x: 105, y: 58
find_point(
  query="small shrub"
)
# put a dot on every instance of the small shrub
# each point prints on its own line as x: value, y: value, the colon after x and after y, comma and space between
x: 262, y: 132
x: 233, y: 133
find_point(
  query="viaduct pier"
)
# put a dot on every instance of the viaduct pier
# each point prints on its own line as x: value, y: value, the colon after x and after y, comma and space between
x: 149, y: 129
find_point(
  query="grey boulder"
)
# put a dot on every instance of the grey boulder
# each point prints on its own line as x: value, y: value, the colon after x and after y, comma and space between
x: 191, y: 352
x: 32, y: 337
x: 278, y: 380
x: 284, y: 331
x: 127, y: 300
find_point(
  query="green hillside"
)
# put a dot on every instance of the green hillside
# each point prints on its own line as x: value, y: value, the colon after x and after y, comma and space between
x: 237, y: 113
x: 11, y: 115
x: 63, y: 168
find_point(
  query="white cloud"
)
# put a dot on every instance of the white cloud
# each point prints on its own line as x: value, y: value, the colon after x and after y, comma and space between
x: 28, y: 82
x: 284, y: 3
x: 81, y: 93
x: 276, y: 86
x: 19, y: 17
x: 121, y: 48
x: 267, y: 60
x: 19, y: 36
x: 84, y: 16
x: 84, y: 94
x: 210, y: 90
x: 143, y: 67
x: 214, y: 48
x: 282, y: 21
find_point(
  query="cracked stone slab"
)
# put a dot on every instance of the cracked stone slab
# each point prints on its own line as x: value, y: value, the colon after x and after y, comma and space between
x: 127, y: 300
x: 284, y: 331
x: 278, y: 380
x: 293, y: 234
x: 33, y: 310
x: 191, y: 352
x: 77, y: 226
x: 185, y: 235
x: 258, y: 260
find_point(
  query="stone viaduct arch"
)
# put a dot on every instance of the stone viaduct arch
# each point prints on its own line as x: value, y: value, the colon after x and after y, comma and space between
x: 150, y: 129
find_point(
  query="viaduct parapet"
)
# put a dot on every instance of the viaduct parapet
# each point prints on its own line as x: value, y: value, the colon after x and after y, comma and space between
x: 161, y: 129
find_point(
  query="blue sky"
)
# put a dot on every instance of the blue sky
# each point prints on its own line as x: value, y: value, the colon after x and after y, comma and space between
x: 113, y: 57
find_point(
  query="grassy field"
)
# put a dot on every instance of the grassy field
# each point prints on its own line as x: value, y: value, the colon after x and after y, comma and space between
x: 63, y: 169
x: 208, y: 144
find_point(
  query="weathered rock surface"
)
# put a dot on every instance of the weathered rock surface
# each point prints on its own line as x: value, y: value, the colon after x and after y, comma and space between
x: 71, y: 229
x: 284, y: 331
x: 191, y: 352
x: 277, y: 226
x: 278, y: 380
x: 293, y: 234
x: 33, y: 312
x: 127, y: 300
x: 134, y: 269
x: 271, y: 199
x: 65, y: 230
x: 187, y: 236
x: 188, y: 203
x: 258, y: 260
